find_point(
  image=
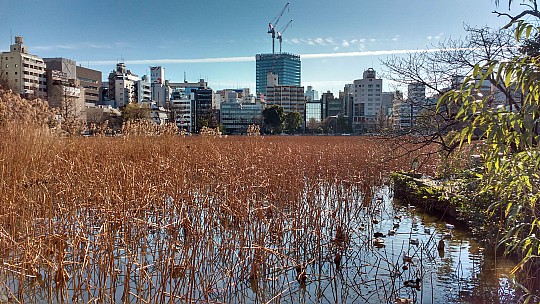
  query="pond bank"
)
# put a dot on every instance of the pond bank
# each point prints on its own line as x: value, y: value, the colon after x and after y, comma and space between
x: 439, y: 199
x: 427, y: 193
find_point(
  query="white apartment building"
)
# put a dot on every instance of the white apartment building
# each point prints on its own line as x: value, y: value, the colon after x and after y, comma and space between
x: 123, y: 86
x: 367, y: 101
x: 159, y: 90
x: 23, y: 72
x: 144, y: 91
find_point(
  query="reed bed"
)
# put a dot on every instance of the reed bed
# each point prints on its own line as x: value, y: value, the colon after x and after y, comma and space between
x: 160, y: 219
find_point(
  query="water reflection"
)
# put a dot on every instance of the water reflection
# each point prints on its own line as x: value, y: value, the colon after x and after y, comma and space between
x: 330, y: 248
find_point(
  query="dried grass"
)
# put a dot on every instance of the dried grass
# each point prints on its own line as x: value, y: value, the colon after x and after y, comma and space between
x: 169, y: 218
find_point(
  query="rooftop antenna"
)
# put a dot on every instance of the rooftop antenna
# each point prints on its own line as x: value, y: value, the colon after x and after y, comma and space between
x: 185, y: 77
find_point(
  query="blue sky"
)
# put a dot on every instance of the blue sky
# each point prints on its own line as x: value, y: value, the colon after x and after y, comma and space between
x: 218, y: 40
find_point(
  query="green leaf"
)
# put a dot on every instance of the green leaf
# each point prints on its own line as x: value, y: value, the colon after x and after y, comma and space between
x: 528, y: 31
x: 507, y: 79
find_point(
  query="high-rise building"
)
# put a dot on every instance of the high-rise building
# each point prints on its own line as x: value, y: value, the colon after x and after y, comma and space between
x: 159, y: 90
x: 90, y: 80
x: 64, y: 65
x: 331, y: 106
x: 192, y: 105
x: 64, y: 91
x: 348, y: 102
x: 22, y: 71
x: 181, y: 104
x: 144, y: 92
x: 311, y: 94
x: 406, y: 111
x: 291, y: 98
x: 204, y: 112
x: 286, y: 66
x: 65, y: 94
x: 123, y: 86
x: 237, y: 116
x: 367, y: 101
x: 313, y: 117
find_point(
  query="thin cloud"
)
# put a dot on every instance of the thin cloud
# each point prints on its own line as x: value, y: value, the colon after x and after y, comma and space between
x: 378, y: 53
x: 345, y: 43
x: 252, y: 58
x: 430, y: 37
x: 320, y: 41
x: 81, y: 45
x: 396, y: 38
x: 295, y: 41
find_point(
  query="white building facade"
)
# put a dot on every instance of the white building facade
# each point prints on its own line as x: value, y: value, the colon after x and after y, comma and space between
x: 22, y: 71
x: 123, y: 86
x: 367, y: 101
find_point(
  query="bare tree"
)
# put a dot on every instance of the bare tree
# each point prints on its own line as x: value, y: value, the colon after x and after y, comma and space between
x: 442, y: 69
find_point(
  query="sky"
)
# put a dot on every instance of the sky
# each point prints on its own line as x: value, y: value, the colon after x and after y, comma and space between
x: 218, y: 40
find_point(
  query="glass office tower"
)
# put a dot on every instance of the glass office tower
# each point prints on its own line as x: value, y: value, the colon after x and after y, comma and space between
x: 286, y: 66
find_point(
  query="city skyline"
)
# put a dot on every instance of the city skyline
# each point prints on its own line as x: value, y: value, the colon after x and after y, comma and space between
x: 218, y: 41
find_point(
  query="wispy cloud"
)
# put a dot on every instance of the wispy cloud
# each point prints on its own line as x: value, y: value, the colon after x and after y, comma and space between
x: 430, y: 37
x: 295, y: 41
x: 176, y: 61
x: 252, y: 58
x: 81, y: 45
x: 396, y: 38
x: 320, y: 41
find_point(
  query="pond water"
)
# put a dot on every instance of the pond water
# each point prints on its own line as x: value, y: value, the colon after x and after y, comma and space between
x: 327, y: 250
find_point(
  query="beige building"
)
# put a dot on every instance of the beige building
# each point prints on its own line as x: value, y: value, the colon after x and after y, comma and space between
x: 90, y: 80
x: 66, y: 95
x: 290, y: 97
x: 367, y: 101
x: 23, y: 72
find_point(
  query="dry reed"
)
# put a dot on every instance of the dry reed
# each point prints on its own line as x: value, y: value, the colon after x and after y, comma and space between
x: 157, y: 219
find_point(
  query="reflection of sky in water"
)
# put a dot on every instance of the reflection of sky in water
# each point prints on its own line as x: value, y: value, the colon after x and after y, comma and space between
x: 366, y: 274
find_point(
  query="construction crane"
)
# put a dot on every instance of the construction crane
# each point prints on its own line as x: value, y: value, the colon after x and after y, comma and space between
x: 280, y: 34
x: 272, y: 25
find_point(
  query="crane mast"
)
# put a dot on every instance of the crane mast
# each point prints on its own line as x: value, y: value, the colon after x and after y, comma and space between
x: 272, y: 26
x: 280, y: 34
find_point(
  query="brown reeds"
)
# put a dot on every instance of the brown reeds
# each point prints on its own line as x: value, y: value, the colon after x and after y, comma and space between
x: 175, y: 219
